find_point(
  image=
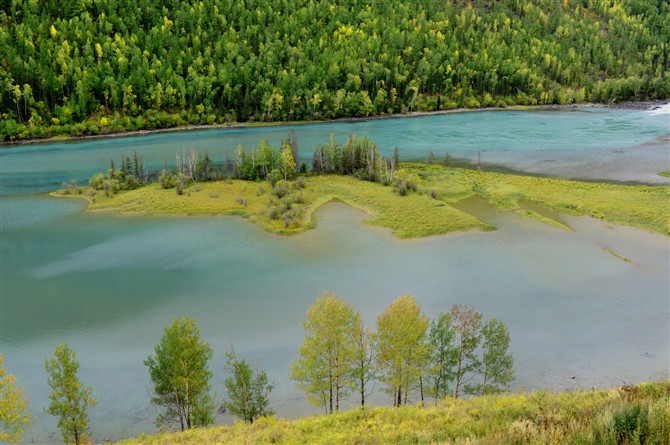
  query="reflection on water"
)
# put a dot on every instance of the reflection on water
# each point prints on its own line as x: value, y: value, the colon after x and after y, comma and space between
x: 108, y: 285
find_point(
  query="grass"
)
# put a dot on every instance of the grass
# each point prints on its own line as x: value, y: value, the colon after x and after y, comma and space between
x: 536, y: 216
x: 664, y: 173
x: 630, y: 415
x: 423, y: 213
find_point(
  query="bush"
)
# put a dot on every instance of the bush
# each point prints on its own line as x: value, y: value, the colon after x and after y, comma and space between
x: 166, y: 179
x: 96, y: 181
x: 281, y: 189
x: 630, y: 425
x: 274, y: 176
x: 274, y: 212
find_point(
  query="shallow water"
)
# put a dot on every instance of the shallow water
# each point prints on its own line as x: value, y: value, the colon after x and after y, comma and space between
x: 108, y: 285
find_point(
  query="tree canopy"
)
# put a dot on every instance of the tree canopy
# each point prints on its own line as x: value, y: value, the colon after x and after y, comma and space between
x: 86, y: 67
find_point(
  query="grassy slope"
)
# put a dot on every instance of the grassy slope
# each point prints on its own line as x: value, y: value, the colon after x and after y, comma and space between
x: 599, y: 416
x: 417, y: 214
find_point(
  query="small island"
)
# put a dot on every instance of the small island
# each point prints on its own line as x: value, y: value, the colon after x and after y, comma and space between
x: 424, y: 200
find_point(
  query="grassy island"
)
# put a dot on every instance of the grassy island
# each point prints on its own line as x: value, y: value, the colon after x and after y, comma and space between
x: 631, y: 414
x: 424, y: 209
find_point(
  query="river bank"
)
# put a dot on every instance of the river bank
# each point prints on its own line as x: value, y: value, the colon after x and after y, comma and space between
x: 641, y: 106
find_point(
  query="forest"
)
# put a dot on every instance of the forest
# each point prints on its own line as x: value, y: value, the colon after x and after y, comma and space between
x: 84, y: 67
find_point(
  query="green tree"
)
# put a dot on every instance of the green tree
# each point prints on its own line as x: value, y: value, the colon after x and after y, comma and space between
x: 324, y: 368
x: 363, y: 370
x: 180, y: 374
x: 444, y: 356
x: 467, y: 324
x: 401, y: 347
x: 497, y: 363
x: 248, y: 391
x: 70, y: 400
x: 286, y: 162
x: 14, y: 416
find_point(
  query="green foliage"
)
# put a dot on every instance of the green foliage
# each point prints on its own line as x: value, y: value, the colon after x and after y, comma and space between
x: 466, y: 323
x: 180, y: 375
x: 328, y: 355
x: 248, y: 391
x: 105, y: 66
x: 14, y: 415
x: 70, y: 400
x: 444, y: 356
x: 286, y: 162
x: 402, y: 347
x: 497, y: 365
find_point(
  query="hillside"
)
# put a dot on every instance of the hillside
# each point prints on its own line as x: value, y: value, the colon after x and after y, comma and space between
x: 76, y: 67
x: 629, y: 415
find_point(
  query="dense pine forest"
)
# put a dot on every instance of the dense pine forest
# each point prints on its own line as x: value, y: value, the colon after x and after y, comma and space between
x: 77, y: 67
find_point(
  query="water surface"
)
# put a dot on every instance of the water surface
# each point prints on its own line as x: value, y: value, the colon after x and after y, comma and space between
x: 108, y: 285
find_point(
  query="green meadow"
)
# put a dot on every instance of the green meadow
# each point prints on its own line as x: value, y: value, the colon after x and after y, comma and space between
x: 628, y: 415
x: 424, y: 212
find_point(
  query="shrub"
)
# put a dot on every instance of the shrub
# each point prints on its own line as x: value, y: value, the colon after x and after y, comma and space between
x: 274, y: 176
x: 166, y: 180
x: 96, y: 181
x: 281, y: 189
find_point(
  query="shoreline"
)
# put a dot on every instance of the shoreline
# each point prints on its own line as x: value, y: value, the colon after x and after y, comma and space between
x: 640, y: 106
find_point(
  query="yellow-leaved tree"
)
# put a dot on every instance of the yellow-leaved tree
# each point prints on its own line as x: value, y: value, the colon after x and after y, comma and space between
x: 14, y: 416
x: 403, y: 352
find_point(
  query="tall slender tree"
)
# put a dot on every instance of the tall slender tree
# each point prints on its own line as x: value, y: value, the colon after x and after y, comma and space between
x: 180, y: 374
x: 444, y: 356
x: 70, y: 400
x: 401, y: 347
x: 497, y: 366
x: 327, y: 354
x: 248, y: 390
x: 467, y: 324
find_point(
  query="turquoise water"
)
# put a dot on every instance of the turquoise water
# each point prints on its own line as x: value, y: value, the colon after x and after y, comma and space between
x: 108, y: 285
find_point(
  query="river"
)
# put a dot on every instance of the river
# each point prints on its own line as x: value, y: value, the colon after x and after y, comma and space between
x: 108, y: 285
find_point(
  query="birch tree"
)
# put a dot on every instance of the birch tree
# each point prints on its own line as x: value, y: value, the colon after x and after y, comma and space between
x: 180, y: 374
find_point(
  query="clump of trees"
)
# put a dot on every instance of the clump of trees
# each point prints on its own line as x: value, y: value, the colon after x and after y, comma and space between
x: 181, y: 376
x: 358, y: 157
x: 412, y: 356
